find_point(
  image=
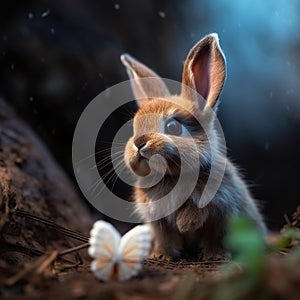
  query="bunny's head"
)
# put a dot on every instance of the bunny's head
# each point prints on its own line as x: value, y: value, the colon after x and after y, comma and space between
x: 168, y: 125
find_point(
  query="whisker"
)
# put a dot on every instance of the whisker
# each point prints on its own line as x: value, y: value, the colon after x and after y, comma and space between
x: 111, y: 157
x: 112, y: 170
x: 109, y: 179
x: 177, y: 165
x: 109, y: 149
x: 111, y: 142
x: 103, y: 179
x: 184, y: 159
x: 98, y: 152
x: 118, y: 173
x: 129, y: 114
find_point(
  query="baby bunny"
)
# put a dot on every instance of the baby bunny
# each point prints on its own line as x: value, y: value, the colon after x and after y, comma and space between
x: 167, y: 124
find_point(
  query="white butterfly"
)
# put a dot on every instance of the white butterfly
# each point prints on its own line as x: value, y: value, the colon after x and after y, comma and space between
x: 117, y: 257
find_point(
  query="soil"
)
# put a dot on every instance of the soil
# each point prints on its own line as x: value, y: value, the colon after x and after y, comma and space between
x: 158, y: 279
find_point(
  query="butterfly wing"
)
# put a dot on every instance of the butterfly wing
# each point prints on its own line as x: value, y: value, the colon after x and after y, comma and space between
x: 135, y: 247
x: 104, y: 244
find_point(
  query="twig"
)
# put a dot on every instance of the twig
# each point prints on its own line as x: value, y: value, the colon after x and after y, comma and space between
x: 8, y: 247
x: 70, y: 233
x: 185, y: 263
x: 73, y: 249
x: 27, y: 269
x: 287, y: 220
x: 47, y: 262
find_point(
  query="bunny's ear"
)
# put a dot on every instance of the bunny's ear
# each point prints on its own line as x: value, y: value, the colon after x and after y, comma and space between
x: 143, y: 88
x: 204, y: 72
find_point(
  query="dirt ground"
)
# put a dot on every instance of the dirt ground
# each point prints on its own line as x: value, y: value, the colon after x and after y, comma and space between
x: 52, y: 277
x: 59, y: 275
x: 159, y: 279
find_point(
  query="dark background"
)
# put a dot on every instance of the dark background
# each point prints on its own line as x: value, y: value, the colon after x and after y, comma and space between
x: 56, y: 56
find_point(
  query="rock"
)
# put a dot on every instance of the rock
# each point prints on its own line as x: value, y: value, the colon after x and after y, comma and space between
x: 31, y: 183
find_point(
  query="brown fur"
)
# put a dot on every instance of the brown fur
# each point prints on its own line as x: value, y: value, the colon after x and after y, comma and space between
x: 190, y: 231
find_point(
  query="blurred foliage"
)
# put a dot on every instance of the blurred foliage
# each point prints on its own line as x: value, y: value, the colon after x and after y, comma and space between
x: 246, y: 244
x: 255, y: 270
x: 290, y: 233
x: 286, y: 239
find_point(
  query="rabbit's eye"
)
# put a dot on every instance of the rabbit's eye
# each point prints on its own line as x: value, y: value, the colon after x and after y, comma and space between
x: 173, y: 127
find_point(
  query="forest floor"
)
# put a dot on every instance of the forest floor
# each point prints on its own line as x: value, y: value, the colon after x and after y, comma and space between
x: 159, y: 279
x: 254, y: 272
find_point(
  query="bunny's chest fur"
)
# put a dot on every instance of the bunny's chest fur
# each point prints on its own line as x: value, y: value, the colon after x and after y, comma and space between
x: 175, y: 200
x: 230, y: 198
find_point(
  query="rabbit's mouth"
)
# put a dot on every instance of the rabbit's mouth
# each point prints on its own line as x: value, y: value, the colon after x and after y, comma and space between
x: 140, y: 165
x: 153, y: 155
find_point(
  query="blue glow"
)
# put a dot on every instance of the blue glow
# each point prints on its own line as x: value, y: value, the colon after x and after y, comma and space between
x: 261, y: 40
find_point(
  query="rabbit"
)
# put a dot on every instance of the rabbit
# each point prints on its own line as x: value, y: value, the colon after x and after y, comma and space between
x: 160, y: 127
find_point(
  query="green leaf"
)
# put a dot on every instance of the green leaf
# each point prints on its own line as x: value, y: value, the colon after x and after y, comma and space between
x: 246, y: 244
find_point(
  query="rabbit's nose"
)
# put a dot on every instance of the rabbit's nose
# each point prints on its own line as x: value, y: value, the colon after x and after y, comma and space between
x: 140, y: 143
x: 142, y: 149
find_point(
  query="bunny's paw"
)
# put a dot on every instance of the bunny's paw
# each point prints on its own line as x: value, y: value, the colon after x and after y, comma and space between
x: 191, y: 218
